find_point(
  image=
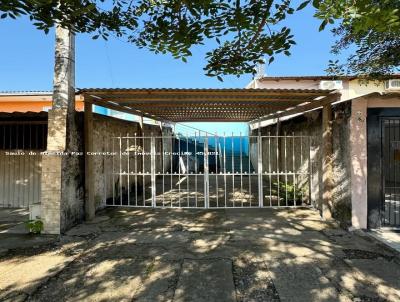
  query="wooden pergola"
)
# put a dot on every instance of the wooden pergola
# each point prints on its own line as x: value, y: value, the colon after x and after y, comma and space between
x: 213, y: 105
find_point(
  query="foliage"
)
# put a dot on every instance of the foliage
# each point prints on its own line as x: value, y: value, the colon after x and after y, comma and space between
x: 35, y: 226
x: 371, y: 27
x: 292, y: 191
x: 243, y: 31
x: 81, y: 16
x: 335, y: 68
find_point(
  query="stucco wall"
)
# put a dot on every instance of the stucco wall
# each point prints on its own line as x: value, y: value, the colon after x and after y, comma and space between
x: 32, y: 103
x: 288, y: 84
x: 358, y: 88
x: 310, y: 124
x: 73, y: 183
x: 351, y: 88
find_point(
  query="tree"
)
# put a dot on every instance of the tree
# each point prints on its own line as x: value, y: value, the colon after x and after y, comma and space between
x: 244, y: 31
x: 372, y: 27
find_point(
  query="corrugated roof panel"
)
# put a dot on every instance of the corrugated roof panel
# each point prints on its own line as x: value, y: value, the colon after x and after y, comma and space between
x: 33, y: 92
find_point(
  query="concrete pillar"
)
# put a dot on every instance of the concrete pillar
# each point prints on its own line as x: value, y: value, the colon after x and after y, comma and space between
x: 90, y: 206
x: 327, y: 162
x: 59, y: 122
x: 358, y: 151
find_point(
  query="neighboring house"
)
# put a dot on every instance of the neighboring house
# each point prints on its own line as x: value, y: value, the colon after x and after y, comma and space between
x: 30, y: 101
x: 349, y: 86
x: 365, y: 141
x: 37, y: 101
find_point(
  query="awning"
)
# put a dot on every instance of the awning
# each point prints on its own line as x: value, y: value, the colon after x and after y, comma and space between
x: 184, y: 105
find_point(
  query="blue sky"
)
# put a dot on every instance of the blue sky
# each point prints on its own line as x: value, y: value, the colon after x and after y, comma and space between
x: 26, y: 61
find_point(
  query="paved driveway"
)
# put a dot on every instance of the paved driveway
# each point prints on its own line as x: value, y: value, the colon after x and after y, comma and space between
x: 197, y: 255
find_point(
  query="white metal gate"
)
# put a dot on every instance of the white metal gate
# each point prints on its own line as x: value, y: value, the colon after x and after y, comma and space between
x: 209, y: 171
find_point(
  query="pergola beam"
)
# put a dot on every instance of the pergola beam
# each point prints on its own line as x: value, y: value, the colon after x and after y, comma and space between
x: 175, y: 104
x: 300, y: 108
x: 209, y: 92
x: 107, y: 104
x: 209, y: 99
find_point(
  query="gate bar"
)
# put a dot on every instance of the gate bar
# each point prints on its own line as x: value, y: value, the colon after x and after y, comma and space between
x: 153, y: 171
x: 206, y: 176
x: 259, y: 168
x: 129, y: 171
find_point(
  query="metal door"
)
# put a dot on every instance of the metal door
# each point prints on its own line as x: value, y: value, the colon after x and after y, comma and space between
x: 390, y: 214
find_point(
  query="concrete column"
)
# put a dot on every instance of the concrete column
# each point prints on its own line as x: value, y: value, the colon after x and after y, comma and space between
x: 59, y: 122
x: 358, y: 150
x: 90, y: 206
x: 327, y: 162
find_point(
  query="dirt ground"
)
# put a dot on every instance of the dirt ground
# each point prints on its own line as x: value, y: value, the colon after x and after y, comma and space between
x: 203, y: 255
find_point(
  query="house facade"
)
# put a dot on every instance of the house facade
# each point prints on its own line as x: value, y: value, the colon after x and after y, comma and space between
x: 342, y: 147
x: 350, y: 87
x: 366, y: 135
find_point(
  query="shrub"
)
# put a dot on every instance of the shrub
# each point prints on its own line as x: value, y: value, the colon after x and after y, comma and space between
x: 35, y: 226
x: 293, y: 192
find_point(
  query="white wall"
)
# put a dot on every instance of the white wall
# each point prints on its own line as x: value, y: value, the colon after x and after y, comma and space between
x: 351, y: 88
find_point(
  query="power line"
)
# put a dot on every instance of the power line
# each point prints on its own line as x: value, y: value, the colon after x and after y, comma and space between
x: 109, y: 64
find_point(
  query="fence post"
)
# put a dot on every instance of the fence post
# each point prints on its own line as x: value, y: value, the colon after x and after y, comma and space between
x: 206, y: 176
x: 259, y: 170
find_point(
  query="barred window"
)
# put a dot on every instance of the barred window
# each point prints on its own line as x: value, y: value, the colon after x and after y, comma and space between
x: 23, y: 135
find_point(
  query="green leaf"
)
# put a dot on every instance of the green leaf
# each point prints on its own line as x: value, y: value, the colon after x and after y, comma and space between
x: 323, y: 25
x: 303, y: 5
x: 271, y: 59
x: 316, y: 3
